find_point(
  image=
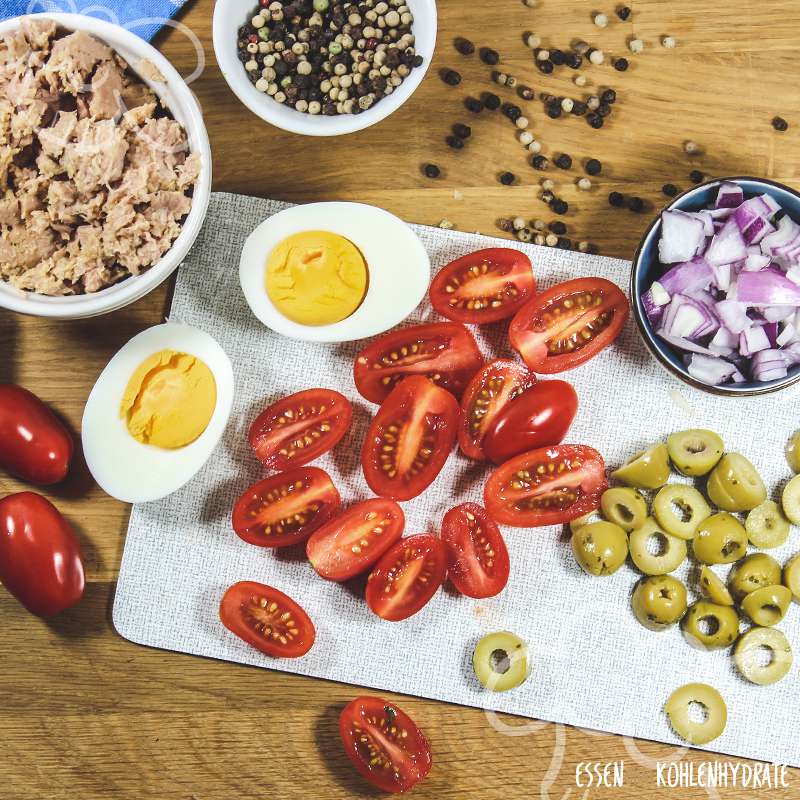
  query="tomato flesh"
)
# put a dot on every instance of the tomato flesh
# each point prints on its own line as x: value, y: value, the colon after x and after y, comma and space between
x: 384, y: 744
x: 539, y: 417
x: 568, y: 324
x: 409, y: 439
x: 444, y: 352
x: 549, y: 486
x: 267, y: 619
x: 477, y: 557
x: 286, y: 508
x: 353, y: 541
x: 484, y: 286
x: 407, y: 577
x: 299, y: 428
x: 488, y: 392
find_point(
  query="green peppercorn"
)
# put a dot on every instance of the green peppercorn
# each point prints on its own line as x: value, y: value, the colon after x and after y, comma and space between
x: 334, y: 48
x: 321, y: 5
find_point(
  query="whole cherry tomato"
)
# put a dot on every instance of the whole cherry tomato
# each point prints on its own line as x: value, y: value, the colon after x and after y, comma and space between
x: 40, y: 559
x: 34, y: 445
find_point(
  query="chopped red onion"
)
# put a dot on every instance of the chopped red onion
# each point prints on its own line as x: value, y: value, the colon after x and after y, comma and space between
x: 787, y: 335
x: 730, y: 195
x: 769, y: 365
x: 682, y: 237
x: 733, y: 315
x: 727, y: 246
x: 769, y: 287
x: 752, y: 340
x: 710, y: 370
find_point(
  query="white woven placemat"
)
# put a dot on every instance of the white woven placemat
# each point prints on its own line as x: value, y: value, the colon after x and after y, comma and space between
x: 594, y: 666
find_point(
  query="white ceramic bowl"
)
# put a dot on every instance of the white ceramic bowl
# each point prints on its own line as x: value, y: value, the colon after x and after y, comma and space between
x: 177, y: 96
x: 398, y: 264
x: 230, y: 15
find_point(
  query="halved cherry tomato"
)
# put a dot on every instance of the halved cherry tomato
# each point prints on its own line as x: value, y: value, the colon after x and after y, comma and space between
x: 409, y: 439
x: 445, y: 352
x: 286, y: 508
x: 300, y: 428
x: 40, y: 558
x: 384, y: 744
x: 267, y: 619
x: 549, y: 486
x: 484, y: 286
x: 352, y: 542
x: 491, y: 388
x: 477, y: 557
x: 407, y: 577
x: 34, y: 445
x: 538, y: 417
x: 568, y: 324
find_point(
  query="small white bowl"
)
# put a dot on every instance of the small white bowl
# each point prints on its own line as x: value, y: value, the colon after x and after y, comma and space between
x: 398, y: 264
x: 230, y: 15
x: 176, y: 96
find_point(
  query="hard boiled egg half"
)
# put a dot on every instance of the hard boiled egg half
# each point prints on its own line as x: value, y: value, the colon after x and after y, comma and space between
x: 157, y: 412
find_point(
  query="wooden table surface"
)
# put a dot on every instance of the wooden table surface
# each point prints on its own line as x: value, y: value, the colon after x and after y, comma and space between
x: 85, y: 714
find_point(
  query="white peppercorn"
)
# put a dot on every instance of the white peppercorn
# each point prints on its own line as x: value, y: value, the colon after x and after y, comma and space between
x: 601, y: 20
x: 252, y: 48
x: 636, y: 45
x: 392, y: 19
x: 518, y: 223
x: 593, y: 103
x: 551, y: 240
x: 251, y: 65
x: 539, y: 224
x: 522, y: 122
x: 547, y: 184
x: 567, y: 104
x: 543, y: 55
x: 304, y: 68
x: 585, y: 184
x: 668, y: 42
x: 525, y: 138
x: 690, y: 147
x: 262, y: 84
x: 525, y: 234
x: 258, y: 21
x: 533, y: 41
x: 301, y: 105
x: 597, y: 57
x: 264, y: 47
x: 406, y: 18
x: 314, y: 107
x: 584, y: 247
x: 272, y: 89
x: 538, y: 239
x: 535, y: 147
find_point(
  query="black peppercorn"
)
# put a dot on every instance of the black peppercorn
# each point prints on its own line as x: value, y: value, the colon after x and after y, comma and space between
x: 455, y: 142
x: 604, y: 109
x: 557, y: 57
x: 432, y: 171
x: 558, y: 227
x: 464, y: 46
x: 525, y: 92
x: 574, y: 60
x: 563, y: 161
x: 451, y: 77
x: 623, y: 12
x: 554, y: 109
x: 609, y: 96
x: 491, y: 101
x: 545, y: 66
x: 595, y: 120
x: 564, y: 243
x: 669, y: 189
x: 474, y: 105
x: 620, y: 64
x: 579, y: 108
x: 559, y: 206
x: 695, y: 176
x: 489, y: 56
x: 635, y: 204
x: 539, y: 162
x: 547, y: 196
x: 507, y: 178
x: 593, y: 167
x: 616, y: 199
x: 462, y: 131
x: 512, y: 112
x: 417, y: 60
x: 779, y: 123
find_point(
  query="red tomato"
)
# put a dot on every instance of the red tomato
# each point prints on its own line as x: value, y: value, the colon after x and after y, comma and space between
x: 491, y: 388
x: 484, y: 286
x: 40, y: 558
x: 286, y: 508
x: 352, y: 542
x: 384, y: 744
x: 568, y: 324
x: 477, y: 557
x: 445, y: 352
x: 300, y: 428
x: 267, y: 619
x: 409, y: 439
x: 34, y: 445
x: 539, y: 417
x: 549, y: 486
x: 406, y: 578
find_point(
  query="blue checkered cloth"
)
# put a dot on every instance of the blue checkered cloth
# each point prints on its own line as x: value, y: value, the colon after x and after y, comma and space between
x: 145, y: 18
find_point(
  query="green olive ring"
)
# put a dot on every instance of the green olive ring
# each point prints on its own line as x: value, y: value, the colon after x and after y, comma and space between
x: 695, y: 452
x: 714, y: 588
x: 747, y: 656
x: 707, y: 626
x: 754, y: 572
x: 679, y: 711
x: 500, y: 661
x: 646, y: 470
x: 791, y: 576
x: 659, y: 601
x: 735, y: 485
x: 768, y: 605
x: 672, y: 549
x: 720, y: 539
x: 766, y: 526
x: 600, y: 548
x: 625, y: 507
x: 790, y: 500
x: 679, y: 509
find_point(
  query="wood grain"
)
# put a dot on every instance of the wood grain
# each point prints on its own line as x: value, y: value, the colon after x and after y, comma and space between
x: 84, y: 714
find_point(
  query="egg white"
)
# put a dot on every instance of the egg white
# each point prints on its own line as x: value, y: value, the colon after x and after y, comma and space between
x: 124, y: 467
x: 398, y: 265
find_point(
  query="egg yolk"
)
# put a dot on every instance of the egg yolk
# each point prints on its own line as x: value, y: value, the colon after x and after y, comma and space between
x: 169, y: 400
x: 316, y: 278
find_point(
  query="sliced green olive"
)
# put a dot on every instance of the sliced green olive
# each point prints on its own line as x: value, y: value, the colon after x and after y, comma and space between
x: 624, y: 507
x: 592, y: 516
x: 680, y: 712
x: 793, y: 451
x: 791, y: 576
x: 756, y: 665
x: 600, y: 547
x: 679, y: 509
x: 735, y: 485
x: 766, y: 526
x: 500, y: 661
x: 754, y: 572
x: 720, y: 539
x: 654, y: 551
x: 790, y: 500
x: 714, y: 587
x: 768, y: 605
x: 646, y: 470
x: 659, y: 601
x: 708, y: 626
x: 695, y: 452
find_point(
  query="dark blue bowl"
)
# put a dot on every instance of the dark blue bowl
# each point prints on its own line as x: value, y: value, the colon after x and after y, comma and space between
x: 647, y: 268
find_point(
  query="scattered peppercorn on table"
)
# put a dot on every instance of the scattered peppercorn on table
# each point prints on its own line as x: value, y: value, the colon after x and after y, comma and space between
x: 85, y: 713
